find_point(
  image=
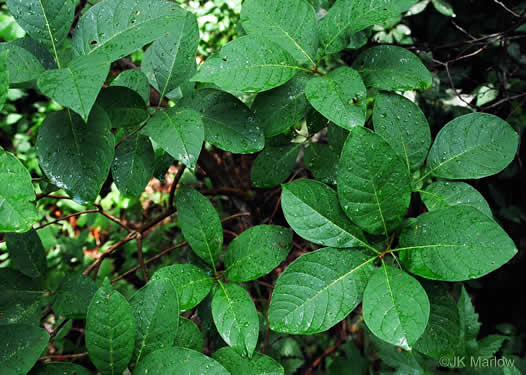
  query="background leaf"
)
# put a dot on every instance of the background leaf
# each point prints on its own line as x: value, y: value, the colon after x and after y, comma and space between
x: 259, y: 364
x: 62, y: 368
x: 4, y: 78
x: 73, y: 296
x: 22, y: 346
x: 273, y: 165
x: 27, y: 253
x: 189, y: 335
x: 20, y: 299
x: 124, y: 106
x: 134, y: 80
x: 322, y: 160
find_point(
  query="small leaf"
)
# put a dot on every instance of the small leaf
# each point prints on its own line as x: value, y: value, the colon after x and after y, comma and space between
x: 21, y: 347
x: 192, y: 283
x: 27, y: 253
x: 392, y: 68
x: 73, y: 296
x: 179, y: 132
x: 59, y: 368
x: 256, y: 252
x: 472, y: 146
x: 136, y: 81
x: 259, y: 364
x: 444, y: 7
x: 339, y: 96
x: 124, y: 106
x: 322, y: 160
x: 4, y: 78
x: 76, y: 156
x: 273, y: 165
x: 468, y: 323
x: 20, y: 298
x: 454, y: 244
x: 395, y: 307
x: 236, y: 318
x: 110, y: 331
x: 189, y: 335
x: 318, y: 290
x: 249, y: 64
x: 374, y: 186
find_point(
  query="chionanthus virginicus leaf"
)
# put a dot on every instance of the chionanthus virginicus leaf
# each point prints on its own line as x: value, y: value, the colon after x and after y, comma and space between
x: 374, y: 186
x: 27, y: 254
x: 318, y: 290
x: 73, y: 296
x: 339, y: 96
x: 22, y: 346
x: 4, y: 77
x: 76, y: 156
x: 395, y: 307
x: 62, y: 368
x: 454, y: 244
x: 24, y: 60
x: 259, y: 364
x: 273, y: 165
x: 250, y: 64
x: 124, y: 106
x: 189, y: 335
x: 20, y: 298
x: 236, y: 318
x: 291, y: 24
x: 110, y: 331
x: 134, y: 80
x: 322, y: 160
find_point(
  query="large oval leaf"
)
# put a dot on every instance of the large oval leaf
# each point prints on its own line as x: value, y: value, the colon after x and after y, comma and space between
x: 27, y: 253
x: 318, y: 290
x: 20, y: 298
x: 374, y: 186
x: 454, y: 244
x: 21, y: 347
x: 73, y: 296
x: 322, y: 160
x: 273, y: 165
x: 472, y: 146
x: 134, y: 80
x: 124, y: 106
x: 189, y: 335
x: 59, y: 368
x: 76, y: 156
x: 259, y: 364
x: 23, y: 64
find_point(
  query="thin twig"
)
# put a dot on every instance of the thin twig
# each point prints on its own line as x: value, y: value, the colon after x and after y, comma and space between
x: 112, y: 218
x: 506, y: 8
x: 51, y: 196
x: 177, y: 177
x: 318, y: 360
x: 67, y: 217
x: 141, y: 258
x: 63, y: 357
x: 95, y: 265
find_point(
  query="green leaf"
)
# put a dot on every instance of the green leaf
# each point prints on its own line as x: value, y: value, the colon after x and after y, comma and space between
x: 170, y: 61
x: 443, y: 194
x: 77, y: 85
x: 403, y: 125
x: 192, y: 283
x: 73, y: 296
x: 180, y: 132
x: 315, y: 121
x: 322, y: 160
x: 116, y: 28
x: 76, y: 156
x: 59, y: 368
x: 21, y: 347
x: 249, y: 64
x: 259, y: 364
x: 136, y: 81
x: 132, y: 167
x: 27, y: 253
x: 337, y: 136
x: 200, y: 224
x: 490, y: 345
x: 236, y: 318
x: 395, y: 307
x: 347, y: 17
x: 454, y: 244
x: 318, y: 290
x: 279, y: 109
x: 444, y: 7
x: 256, y: 252
x: 176, y: 360
x: 124, y: 106
x: 46, y: 21
x: 273, y: 165
x: 392, y: 68
x: 156, y: 310
x: 291, y: 24
x: 312, y: 210
x: 229, y: 124
x: 468, y: 323
x: 472, y: 146
x: 110, y: 331
x: 17, y: 213
x: 20, y: 298
x: 189, y: 335
x: 4, y: 78
x: 374, y: 186
x: 406, y: 362
x: 339, y: 96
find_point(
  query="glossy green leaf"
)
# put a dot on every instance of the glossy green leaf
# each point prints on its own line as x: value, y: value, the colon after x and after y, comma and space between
x: 76, y: 156
x: 315, y: 121
x: 180, y: 132
x: 395, y: 307
x: 256, y: 252
x: 200, y: 224
x: 192, y: 283
x: 454, y: 244
x: 443, y: 194
x: 392, y: 68
x: 124, y: 106
x: 318, y: 290
x: 469, y: 325
x: 472, y: 146
x: 136, y: 81
x: 273, y: 165
x: 339, y: 96
x: 156, y: 310
x: 322, y: 160
x: 178, y: 361
x: 21, y: 346
x: 406, y: 362
x: 77, y: 85
x: 170, y: 61
x: 189, y: 335
x: 374, y: 186
x: 337, y: 136
x: 110, y: 331
x: 229, y: 124
x: 132, y: 167
x: 444, y: 7
x: 116, y: 28
x: 312, y: 210
x: 4, y: 78
x: 73, y: 296
x: 291, y: 24
x: 59, y: 368
x: 403, y: 125
x: 20, y: 299
x: 249, y: 64
x: 17, y: 213
x: 279, y: 109
x: 236, y: 318
x: 27, y: 253
x: 259, y: 364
